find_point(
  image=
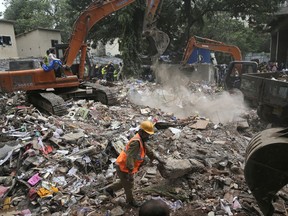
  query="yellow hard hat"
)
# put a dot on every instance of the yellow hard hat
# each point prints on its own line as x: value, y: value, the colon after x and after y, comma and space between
x: 147, y: 126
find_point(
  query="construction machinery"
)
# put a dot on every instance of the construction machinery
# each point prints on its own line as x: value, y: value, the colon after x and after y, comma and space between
x: 268, y: 92
x: 266, y: 168
x: 236, y: 69
x: 196, y: 42
x: 158, y: 40
x: 36, y: 81
x: 199, y: 59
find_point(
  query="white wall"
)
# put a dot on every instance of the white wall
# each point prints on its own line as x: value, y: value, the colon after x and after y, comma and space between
x: 35, y: 43
x: 8, y: 51
x: 112, y: 49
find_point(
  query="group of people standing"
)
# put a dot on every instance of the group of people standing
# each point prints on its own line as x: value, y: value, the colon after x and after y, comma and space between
x: 107, y: 72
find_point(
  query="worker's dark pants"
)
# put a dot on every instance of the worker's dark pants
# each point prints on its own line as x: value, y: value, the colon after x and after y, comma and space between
x: 124, y: 183
x: 110, y: 76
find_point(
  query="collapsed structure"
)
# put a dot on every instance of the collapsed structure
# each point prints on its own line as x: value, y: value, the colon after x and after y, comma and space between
x: 62, y: 166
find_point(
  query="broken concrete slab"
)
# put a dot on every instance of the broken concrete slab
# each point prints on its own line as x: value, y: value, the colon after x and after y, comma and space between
x: 73, y: 137
x: 118, y: 146
x: 175, y: 168
x: 151, y: 171
x: 243, y: 124
x: 200, y: 124
x: 118, y: 211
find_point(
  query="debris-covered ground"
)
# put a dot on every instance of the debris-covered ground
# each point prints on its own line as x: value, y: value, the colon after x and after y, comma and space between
x: 54, y: 165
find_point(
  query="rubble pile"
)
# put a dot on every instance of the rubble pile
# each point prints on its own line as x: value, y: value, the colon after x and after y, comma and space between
x: 4, y: 64
x: 54, y: 165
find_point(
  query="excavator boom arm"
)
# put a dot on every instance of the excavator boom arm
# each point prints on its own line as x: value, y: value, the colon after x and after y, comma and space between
x: 68, y: 85
x: 158, y: 40
x: 99, y: 9
x: 94, y: 13
x: 211, y: 45
x: 151, y: 8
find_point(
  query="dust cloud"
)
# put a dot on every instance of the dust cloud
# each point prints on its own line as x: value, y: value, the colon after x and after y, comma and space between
x: 186, y: 95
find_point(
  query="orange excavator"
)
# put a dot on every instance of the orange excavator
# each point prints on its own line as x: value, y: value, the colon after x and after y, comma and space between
x: 209, y: 44
x: 35, y: 81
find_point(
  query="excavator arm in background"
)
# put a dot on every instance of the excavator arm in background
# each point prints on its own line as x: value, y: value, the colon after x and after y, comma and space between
x: 100, y: 9
x: 158, y: 40
x: 212, y: 45
x: 35, y: 81
x: 96, y: 11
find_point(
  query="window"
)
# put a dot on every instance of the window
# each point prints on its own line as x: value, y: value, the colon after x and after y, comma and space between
x: 5, y: 41
x: 54, y: 42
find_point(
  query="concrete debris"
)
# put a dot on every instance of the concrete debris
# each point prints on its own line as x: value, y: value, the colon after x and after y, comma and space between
x: 65, y: 166
x: 175, y: 168
x: 118, y: 211
x: 200, y: 124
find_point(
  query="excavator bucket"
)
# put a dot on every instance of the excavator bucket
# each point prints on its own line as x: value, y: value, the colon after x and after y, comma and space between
x: 158, y: 42
x: 266, y: 168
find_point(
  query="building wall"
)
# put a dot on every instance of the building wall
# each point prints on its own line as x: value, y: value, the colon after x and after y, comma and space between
x: 112, y: 49
x: 35, y: 43
x: 107, y: 49
x: 279, y: 34
x: 262, y: 57
x: 279, y: 45
x: 274, y: 46
x: 8, y: 50
x: 283, y: 46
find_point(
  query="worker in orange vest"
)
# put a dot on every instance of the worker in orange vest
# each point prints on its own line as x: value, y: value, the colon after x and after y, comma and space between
x: 131, y: 158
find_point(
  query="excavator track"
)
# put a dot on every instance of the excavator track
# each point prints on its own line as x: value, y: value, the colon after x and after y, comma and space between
x: 266, y: 170
x: 55, y: 104
x: 48, y: 102
x: 102, y: 93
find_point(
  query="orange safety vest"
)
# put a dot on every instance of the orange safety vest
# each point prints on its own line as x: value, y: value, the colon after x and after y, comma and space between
x: 121, y: 160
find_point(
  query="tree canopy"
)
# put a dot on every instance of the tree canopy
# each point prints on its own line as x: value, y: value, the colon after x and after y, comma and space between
x: 31, y: 14
x: 222, y: 20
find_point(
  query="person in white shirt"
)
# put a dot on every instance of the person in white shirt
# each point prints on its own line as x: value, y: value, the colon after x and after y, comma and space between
x: 52, y: 56
x: 56, y: 64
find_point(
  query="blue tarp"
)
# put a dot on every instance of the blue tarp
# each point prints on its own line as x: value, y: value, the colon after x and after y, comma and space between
x: 55, y: 64
x: 200, y: 55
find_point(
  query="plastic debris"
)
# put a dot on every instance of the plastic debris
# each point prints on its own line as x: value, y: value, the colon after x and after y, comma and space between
x: 225, y: 206
x: 34, y: 179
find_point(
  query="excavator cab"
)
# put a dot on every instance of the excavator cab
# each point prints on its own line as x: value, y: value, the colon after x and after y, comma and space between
x: 60, y: 50
x: 234, y: 72
x: 196, y: 42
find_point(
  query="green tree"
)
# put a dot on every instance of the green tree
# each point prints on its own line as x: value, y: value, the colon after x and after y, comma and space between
x: 31, y: 14
x: 222, y: 27
x: 195, y: 14
x: 28, y: 14
x: 59, y: 11
x: 178, y: 18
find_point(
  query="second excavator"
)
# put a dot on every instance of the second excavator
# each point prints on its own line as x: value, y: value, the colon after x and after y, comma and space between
x: 212, y: 45
x: 35, y: 81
